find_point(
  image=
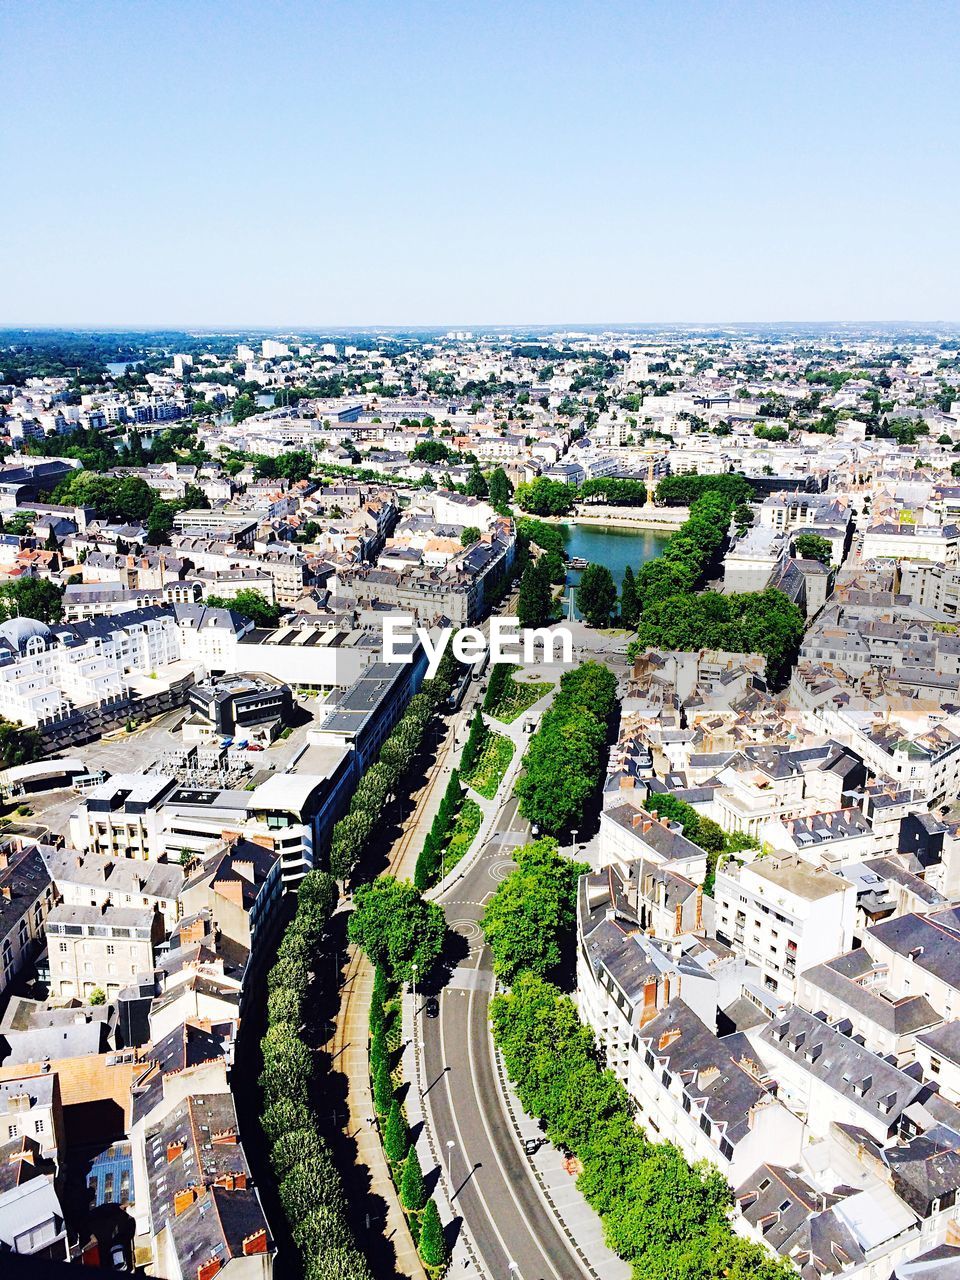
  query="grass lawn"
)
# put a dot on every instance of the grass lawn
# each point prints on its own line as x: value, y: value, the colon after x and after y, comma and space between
x: 465, y: 827
x: 516, y: 697
x: 487, y: 774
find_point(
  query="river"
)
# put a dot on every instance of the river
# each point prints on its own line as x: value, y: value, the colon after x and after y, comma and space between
x: 615, y: 548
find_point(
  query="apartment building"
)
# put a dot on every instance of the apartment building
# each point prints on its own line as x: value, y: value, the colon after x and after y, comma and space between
x: 26, y: 897
x: 784, y: 916
x: 101, y: 948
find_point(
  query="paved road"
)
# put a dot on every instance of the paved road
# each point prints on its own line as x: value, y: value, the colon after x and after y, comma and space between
x: 508, y: 1220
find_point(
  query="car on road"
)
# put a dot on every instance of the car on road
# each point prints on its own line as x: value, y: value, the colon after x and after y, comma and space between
x: 254, y: 746
x: 432, y: 1007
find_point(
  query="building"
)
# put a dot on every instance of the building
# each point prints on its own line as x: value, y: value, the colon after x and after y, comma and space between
x: 783, y: 915
x: 93, y: 948
x: 121, y: 817
x: 26, y: 897
x: 240, y: 885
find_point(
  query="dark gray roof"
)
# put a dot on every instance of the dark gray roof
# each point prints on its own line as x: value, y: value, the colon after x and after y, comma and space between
x: 867, y: 1081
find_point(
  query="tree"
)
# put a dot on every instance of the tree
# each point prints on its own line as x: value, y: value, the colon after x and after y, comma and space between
x: 413, y: 1193
x: 382, y: 1088
x: 532, y: 914
x: 535, y: 600
x: 397, y: 928
x: 500, y: 488
x: 19, y: 744
x: 476, y: 483
x: 811, y: 546
x: 543, y: 497
x: 98, y: 996
x: 596, y: 595
x: 396, y: 1135
x: 433, y: 451
x: 470, y: 535
x: 433, y: 1244
x: 244, y: 406
x: 249, y: 604
x: 629, y: 600
x: 36, y: 598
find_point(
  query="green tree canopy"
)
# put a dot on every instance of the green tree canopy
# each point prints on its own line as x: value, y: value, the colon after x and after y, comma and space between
x: 397, y: 928
x: 811, y: 546
x: 533, y: 912
x: 596, y: 595
x: 249, y: 604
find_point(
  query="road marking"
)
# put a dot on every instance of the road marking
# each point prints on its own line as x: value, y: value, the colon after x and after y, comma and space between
x: 475, y: 1180
x: 490, y: 1139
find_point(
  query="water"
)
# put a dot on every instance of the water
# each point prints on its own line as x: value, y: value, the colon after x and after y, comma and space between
x: 615, y: 548
x: 118, y: 368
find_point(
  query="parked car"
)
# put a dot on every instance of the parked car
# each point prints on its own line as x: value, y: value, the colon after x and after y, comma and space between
x: 432, y: 1007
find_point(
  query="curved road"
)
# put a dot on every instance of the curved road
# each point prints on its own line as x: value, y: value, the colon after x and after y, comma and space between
x: 495, y: 1192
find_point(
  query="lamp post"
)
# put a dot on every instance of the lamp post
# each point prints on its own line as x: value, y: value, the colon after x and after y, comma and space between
x: 451, y: 1147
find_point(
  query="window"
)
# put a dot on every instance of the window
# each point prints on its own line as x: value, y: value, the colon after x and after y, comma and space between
x: 39, y: 1126
x: 12, y: 1131
x: 109, y: 949
x: 63, y: 946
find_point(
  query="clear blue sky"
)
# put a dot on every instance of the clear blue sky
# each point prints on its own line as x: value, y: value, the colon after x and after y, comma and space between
x: 338, y: 162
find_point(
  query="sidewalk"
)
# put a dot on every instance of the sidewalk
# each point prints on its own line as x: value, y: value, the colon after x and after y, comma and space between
x: 350, y: 1058
x: 491, y: 808
x: 582, y: 1224
x: 464, y: 1256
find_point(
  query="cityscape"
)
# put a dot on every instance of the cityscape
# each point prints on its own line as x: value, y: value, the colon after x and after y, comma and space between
x: 480, y: 641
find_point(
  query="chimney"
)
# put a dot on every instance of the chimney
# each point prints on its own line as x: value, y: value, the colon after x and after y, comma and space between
x: 255, y: 1243
x: 182, y: 1200
x: 7, y: 892
x: 174, y: 1149
x: 207, y: 1270
x: 668, y: 1038
x: 244, y: 867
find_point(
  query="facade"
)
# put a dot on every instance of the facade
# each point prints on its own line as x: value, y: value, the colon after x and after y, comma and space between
x: 26, y: 898
x: 784, y: 916
x: 103, y: 948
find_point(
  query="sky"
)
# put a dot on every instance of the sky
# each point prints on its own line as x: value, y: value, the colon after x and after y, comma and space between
x: 357, y: 162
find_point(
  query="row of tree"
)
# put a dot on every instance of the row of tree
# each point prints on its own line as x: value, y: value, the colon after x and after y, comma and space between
x: 402, y: 935
x: 437, y: 843
x: 667, y: 1218
x: 309, y: 1186
x: 683, y: 491
x: 614, y: 491
x: 422, y: 1214
x: 381, y: 780
x: 566, y: 756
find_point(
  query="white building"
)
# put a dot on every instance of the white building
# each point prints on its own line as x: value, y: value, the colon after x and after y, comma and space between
x: 784, y: 915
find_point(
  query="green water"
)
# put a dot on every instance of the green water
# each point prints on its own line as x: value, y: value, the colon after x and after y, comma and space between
x: 616, y: 548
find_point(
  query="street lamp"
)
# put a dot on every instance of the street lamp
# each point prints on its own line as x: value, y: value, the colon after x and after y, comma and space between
x: 513, y: 1269
x: 451, y: 1147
